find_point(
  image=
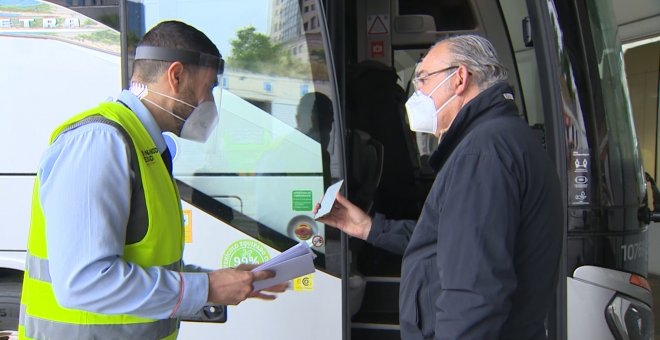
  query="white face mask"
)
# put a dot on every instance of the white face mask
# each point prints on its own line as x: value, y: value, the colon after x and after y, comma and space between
x: 198, y: 126
x: 422, y: 115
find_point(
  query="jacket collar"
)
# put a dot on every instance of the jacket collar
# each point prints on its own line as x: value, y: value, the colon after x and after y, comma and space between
x: 494, y: 101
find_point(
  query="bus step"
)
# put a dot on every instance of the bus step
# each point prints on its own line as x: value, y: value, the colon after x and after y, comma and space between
x: 360, y: 331
x: 374, y: 261
x: 380, y: 304
x: 381, y: 318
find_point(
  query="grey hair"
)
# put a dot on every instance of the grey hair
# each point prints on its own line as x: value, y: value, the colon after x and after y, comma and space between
x: 478, y: 55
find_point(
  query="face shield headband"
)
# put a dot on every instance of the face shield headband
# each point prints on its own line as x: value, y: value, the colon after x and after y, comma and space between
x: 184, y: 56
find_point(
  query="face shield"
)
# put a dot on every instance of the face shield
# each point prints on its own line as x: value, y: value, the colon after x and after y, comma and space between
x: 204, y: 118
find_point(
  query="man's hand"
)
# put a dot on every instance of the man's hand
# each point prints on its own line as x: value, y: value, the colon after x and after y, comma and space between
x: 232, y: 286
x: 280, y: 288
x: 347, y: 217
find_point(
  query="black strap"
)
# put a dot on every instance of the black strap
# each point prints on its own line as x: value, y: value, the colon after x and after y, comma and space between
x: 167, y: 158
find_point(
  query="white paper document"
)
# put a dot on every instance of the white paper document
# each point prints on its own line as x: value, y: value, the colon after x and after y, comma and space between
x: 328, y: 199
x: 294, y: 262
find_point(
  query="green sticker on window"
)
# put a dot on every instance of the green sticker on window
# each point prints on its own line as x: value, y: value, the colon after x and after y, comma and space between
x: 244, y: 252
x: 301, y: 200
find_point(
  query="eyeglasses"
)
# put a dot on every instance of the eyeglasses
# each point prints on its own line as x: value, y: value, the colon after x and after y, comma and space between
x: 419, y: 81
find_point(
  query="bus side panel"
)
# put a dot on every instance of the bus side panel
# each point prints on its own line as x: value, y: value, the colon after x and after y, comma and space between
x: 15, y: 201
x: 586, y: 305
x: 44, y: 82
x: 315, y: 313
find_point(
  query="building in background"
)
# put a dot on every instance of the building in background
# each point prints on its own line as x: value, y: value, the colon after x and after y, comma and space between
x: 287, y: 28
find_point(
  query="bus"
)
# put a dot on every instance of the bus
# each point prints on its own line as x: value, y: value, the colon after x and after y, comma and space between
x: 312, y: 94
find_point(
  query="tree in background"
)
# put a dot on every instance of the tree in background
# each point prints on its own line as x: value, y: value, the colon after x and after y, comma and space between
x: 253, y: 51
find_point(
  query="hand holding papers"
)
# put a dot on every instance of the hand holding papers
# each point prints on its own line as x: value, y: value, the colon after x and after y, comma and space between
x: 328, y: 199
x: 294, y: 262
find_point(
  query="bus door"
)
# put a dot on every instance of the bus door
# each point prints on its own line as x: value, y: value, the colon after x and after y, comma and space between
x: 568, y: 84
x: 595, y: 146
x: 248, y: 193
x: 389, y: 38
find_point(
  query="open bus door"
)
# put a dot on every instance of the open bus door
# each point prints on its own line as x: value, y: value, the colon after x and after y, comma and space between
x: 248, y: 193
x: 565, y: 66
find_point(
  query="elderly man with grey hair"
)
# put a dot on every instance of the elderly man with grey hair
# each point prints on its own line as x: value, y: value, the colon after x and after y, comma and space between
x: 481, y: 262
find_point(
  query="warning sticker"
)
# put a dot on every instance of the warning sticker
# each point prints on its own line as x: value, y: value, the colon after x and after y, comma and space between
x: 301, y: 200
x: 580, y: 175
x: 304, y: 283
x: 187, y: 224
x: 377, y: 48
x: 378, y: 24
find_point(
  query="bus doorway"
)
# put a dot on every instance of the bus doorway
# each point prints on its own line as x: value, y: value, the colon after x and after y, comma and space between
x: 569, y: 87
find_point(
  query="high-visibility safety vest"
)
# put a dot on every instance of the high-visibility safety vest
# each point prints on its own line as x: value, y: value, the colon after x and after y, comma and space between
x: 42, y: 317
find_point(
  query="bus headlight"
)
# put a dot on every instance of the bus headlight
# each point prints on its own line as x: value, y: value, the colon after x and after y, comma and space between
x: 629, y: 319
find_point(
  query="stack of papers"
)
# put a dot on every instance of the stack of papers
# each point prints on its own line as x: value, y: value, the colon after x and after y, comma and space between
x: 294, y: 262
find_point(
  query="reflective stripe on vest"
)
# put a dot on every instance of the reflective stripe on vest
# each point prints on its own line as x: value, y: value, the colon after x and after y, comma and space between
x: 37, y: 328
x: 42, y: 316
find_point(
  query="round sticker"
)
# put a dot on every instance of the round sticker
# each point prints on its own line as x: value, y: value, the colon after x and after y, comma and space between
x: 244, y: 252
x: 303, y: 231
x: 317, y: 241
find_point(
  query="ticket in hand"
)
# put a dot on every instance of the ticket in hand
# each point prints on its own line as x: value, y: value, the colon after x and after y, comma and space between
x: 328, y: 199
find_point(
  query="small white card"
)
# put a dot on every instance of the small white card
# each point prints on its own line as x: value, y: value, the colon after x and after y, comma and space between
x: 328, y: 199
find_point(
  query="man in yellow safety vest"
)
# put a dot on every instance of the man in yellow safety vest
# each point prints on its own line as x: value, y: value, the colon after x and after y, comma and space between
x: 106, y: 237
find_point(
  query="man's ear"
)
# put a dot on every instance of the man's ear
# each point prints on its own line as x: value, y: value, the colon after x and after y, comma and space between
x: 175, y: 76
x: 461, y: 80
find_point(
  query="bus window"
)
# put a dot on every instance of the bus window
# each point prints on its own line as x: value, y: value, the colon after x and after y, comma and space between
x: 514, y: 14
x: 268, y: 161
x: 619, y: 132
x: 448, y: 15
x: 53, y: 53
x: 525, y: 55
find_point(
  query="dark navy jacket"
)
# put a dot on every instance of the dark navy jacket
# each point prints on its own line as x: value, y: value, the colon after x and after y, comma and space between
x: 481, y: 262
